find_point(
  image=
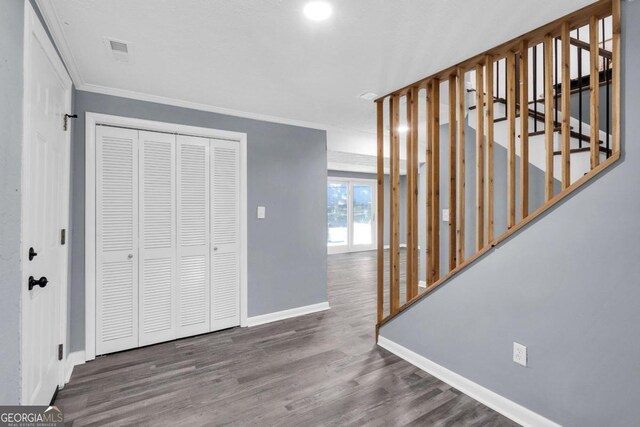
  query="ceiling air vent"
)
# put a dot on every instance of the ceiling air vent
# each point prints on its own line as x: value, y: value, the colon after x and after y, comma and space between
x: 119, y: 50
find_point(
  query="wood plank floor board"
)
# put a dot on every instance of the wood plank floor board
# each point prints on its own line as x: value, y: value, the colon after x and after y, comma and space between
x: 322, y: 369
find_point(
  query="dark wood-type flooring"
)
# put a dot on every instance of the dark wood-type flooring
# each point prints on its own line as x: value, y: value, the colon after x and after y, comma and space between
x: 319, y: 369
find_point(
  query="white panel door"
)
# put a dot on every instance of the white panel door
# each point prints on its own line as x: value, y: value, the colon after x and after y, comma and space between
x: 225, y: 233
x: 157, y: 290
x: 193, y: 235
x: 45, y: 213
x: 116, y: 239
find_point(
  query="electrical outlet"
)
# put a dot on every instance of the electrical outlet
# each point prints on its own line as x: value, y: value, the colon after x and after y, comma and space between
x: 520, y: 354
x: 445, y: 215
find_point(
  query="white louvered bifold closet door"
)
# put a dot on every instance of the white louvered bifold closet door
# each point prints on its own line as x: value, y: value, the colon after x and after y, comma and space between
x: 225, y: 233
x: 193, y: 235
x: 157, y: 288
x: 116, y: 239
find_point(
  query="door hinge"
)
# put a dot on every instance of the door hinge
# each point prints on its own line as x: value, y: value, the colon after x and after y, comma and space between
x: 63, y: 236
x: 66, y: 120
x: 60, y: 351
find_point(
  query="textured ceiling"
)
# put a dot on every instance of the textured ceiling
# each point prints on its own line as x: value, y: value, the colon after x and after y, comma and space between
x: 263, y: 57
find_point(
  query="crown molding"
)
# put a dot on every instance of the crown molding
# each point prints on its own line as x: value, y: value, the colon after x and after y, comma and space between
x: 52, y: 21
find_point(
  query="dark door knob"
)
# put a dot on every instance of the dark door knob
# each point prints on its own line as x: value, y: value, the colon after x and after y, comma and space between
x: 42, y: 282
x: 32, y: 254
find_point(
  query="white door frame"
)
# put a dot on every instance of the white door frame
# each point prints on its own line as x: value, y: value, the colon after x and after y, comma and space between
x: 350, y: 247
x: 32, y: 25
x: 93, y: 119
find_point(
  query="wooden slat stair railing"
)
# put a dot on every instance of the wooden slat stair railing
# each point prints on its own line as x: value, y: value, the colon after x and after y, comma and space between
x: 505, y: 78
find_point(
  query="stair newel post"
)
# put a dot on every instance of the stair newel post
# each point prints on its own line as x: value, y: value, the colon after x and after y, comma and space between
x: 489, y: 148
x: 511, y: 139
x: 394, y: 197
x: 524, y: 128
x: 460, y: 204
x: 566, y: 106
x: 594, y: 91
x: 479, y: 157
x: 452, y: 173
x: 548, y: 116
x: 380, y: 200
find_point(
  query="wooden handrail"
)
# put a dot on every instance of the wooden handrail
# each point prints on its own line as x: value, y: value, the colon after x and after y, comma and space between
x: 514, y: 57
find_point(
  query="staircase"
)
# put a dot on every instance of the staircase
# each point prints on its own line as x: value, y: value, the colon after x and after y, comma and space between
x: 572, y: 137
x: 580, y: 143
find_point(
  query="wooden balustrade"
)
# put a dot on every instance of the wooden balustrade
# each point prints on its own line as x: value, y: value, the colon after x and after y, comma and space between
x: 502, y: 78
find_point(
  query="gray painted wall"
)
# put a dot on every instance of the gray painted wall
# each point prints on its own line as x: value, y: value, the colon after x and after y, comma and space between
x: 403, y: 200
x: 11, y: 83
x: 287, y: 173
x: 567, y: 287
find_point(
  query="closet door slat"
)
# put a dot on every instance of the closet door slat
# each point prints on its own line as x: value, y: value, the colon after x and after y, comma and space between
x: 157, y: 288
x: 225, y: 230
x: 116, y: 239
x: 193, y: 235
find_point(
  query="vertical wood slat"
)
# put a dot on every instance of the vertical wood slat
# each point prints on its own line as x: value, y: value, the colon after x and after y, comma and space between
x: 479, y: 157
x: 615, y: 77
x: 511, y: 139
x: 489, y: 143
x: 380, y: 205
x: 409, y: 200
x: 566, y: 106
x: 394, y: 216
x: 594, y: 89
x: 435, y: 177
x: 460, y: 205
x: 524, y: 129
x: 548, y: 116
x: 452, y: 172
x: 412, y: 194
x: 428, y: 186
x: 415, y: 160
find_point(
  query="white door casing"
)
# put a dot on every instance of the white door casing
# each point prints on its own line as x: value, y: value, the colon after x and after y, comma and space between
x: 45, y: 213
x: 351, y: 245
x: 191, y: 172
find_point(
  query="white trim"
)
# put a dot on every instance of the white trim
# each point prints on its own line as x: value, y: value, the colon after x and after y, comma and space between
x: 287, y: 314
x: 422, y: 284
x: 73, y: 359
x: 506, y: 407
x: 91, y: 120
x: 33, y: 25
x: 52, y: 21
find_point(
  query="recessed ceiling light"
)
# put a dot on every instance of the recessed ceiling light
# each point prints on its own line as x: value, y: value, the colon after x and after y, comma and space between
x: 318, y: 10
x: 368, y: 96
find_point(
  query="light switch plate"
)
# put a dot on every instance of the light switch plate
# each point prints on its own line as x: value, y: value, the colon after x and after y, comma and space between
x: 520, y: 354
x: 262, y: 212
x: 445, y: 215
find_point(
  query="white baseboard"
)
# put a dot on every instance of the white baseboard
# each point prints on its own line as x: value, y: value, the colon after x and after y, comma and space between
x: 422, y: 284
x: 73, y: 359
x: 287, y: 314
x: 506, y: 407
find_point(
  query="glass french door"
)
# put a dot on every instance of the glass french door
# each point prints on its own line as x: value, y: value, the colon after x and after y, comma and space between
x: 351, y: 208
